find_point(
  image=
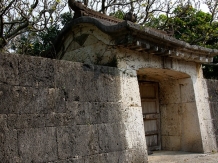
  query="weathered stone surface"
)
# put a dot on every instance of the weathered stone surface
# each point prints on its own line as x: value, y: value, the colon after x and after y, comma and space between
x: 37, y: 145
x: 8, y: 95
x: 212, y: 90
x: 190, y: 129
x: 58, y: 111
x: 115, y: 142
x: 212, y: 123
x: 180, y: 126
x: 22, y: 99
x: 170, y: 92
x: 77, y: 141
x: 59, y: 119
x: 214, y: 110
x: 8, y: 146
x: 96, y: 112
x: 9, y: 69
x: 171, y: 143
x: 21, y: 121
x: 36, y: 72
x: 171, y: 117
x: 187, y: 92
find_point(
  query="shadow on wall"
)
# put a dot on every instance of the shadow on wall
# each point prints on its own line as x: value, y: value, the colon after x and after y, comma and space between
x: 212, y: 86
x: 57, y: 110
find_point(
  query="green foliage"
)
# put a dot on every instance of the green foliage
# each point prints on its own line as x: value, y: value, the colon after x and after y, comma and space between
x: 210, y: 71
x: 65, y: 18
x: 45, y: 40
x: 192, y: 26
x: 119, y: 14
x: 36, y: 43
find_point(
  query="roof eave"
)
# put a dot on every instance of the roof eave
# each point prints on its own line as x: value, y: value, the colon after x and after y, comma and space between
x: 144, y: 40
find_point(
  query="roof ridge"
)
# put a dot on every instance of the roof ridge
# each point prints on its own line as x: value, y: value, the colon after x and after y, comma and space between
x: 81, y: 10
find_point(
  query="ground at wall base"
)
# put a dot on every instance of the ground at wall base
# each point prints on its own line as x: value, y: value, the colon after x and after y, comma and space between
x: 180, y: 157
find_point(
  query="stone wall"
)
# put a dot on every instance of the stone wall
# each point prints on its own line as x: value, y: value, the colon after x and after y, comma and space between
x: 212, y: 86
x: 59, y: 111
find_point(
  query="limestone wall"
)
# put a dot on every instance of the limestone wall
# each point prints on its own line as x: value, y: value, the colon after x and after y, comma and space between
x: 212, y: 86
x: 59, y: 111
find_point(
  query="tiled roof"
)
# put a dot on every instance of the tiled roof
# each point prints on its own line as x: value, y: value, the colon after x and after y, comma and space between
x: 147, y: 40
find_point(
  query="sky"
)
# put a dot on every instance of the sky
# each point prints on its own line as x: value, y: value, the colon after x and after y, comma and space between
x: 204, y: 8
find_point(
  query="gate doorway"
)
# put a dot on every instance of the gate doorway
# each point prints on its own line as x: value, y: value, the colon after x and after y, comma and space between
x: 151, y: 114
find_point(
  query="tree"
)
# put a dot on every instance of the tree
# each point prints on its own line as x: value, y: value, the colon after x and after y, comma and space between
x: 37, y: 43
x: 18, y: 17
x: 30, y: 26
x: 190, y: 25
x: 193, y: 26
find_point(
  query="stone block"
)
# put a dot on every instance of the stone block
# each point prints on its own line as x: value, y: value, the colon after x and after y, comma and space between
x: 36, y: 72
x: 92, y: 159
x: 169, y: 92
x: 9, y: 69
x: 90, y: 137
x: 82, y: 114
x: 172, y: 143
x: 22, y: 121
x: 214, y: 110
x: 35, y: 100
x: 133, y: 156
x: 78, y: 80
x: 119, y: 156
x: 187, y: 91
x: 106, y: 112
x: 70, y: 160
x: 86, y: 84
x: 171, y: 119
x: 191, y: 136
x: 130, y: 114
x: 212, y: 86
x: 59, y: 119
x: 130, y: 89
x: 215, y: 128
x: 25, y: 100
x: 9, y: 99
x: 66, y: 142
x: 109, y: 157
x: 201, y: 92
x: 134, y: 135
x: 106, y: 84
x: 77, y: 141
x: 86, y: 78
x: 3, y: 121
x: 60, y: 97
x: 37, y: 145
x: 65, y: 71
x: 112, y: 137
x: 8, y: 146
x: 139, y: 155
x: 204, y: 111
x: 96, y: 112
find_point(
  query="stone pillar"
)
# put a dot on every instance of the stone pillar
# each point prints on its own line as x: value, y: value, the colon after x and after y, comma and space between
x: 204, y: 112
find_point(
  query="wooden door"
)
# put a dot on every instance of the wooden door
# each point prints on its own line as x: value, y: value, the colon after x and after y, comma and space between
x: 151, y: 114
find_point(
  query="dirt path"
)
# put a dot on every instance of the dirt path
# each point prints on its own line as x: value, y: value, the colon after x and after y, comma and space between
x: 180, y: 157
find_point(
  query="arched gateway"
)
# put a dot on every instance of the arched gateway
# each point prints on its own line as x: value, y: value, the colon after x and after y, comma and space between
x: 163, y: 77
